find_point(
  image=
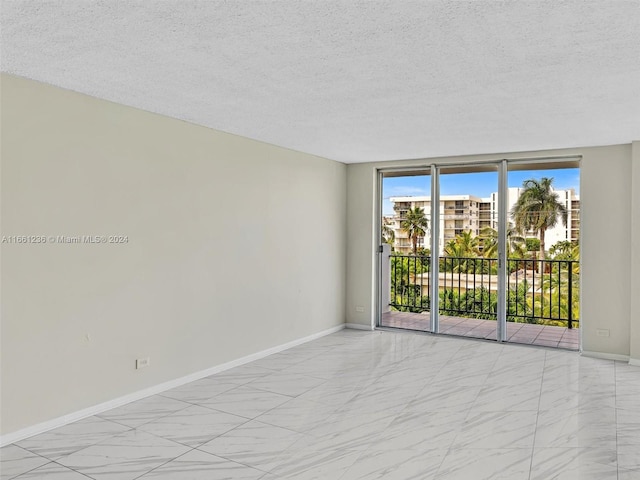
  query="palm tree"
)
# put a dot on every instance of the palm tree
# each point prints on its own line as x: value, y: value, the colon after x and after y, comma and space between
x: 469, y: 245
x: 538, y: 209
x: 415, y: 224
x: 489, y: 238
x: 565, y: 250
x: 460, y: 250
x: 388, y: 234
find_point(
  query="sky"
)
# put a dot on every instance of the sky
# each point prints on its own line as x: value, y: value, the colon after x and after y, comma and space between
x: 478, y: 184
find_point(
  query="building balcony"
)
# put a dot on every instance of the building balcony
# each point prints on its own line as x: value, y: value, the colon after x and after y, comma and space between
x: 401, y: 206
x: 456, y: 207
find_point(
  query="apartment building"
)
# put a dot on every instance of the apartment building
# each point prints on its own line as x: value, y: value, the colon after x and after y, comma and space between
x: 561, y: 232
x: 460, y: 213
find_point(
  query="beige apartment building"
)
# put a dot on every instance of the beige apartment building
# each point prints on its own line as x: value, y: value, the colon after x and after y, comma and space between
x: 460, y: 213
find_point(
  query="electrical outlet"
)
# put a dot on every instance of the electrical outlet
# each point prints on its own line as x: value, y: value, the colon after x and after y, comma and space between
x: 359, y: 309
x: 143, y: 362
x: 602, y: 332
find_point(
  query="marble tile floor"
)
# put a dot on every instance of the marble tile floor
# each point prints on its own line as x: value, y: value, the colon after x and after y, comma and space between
x: 365, y: 405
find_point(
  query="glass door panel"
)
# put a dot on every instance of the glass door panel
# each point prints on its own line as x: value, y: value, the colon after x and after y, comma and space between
x: 543, y: 287
x: 468, y: 251
x: 405, y: 236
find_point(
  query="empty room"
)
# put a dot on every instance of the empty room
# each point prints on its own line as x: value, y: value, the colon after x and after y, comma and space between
x: 320, y: 240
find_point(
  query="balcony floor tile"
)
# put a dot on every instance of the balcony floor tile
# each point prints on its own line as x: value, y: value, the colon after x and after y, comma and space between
x: 525, y: 333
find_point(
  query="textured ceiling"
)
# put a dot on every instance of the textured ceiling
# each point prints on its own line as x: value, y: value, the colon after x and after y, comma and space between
x: 352, y: 81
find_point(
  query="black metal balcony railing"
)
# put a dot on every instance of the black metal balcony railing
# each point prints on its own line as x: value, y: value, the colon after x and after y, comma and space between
x: 538, y: 291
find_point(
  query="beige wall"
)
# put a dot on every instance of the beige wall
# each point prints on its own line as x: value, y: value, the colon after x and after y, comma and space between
x: 605, y: 233
x: 606, y: 199
x: 210, y: 272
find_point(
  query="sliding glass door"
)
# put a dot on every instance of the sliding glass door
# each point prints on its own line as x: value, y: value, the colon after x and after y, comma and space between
x: 460, y: 255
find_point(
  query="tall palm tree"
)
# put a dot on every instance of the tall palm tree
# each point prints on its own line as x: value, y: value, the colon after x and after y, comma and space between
x: 469, y: 244
x: 538, y: 209
x: 489, y: 241
x: 415, y: 224
x: 388, y: 235
x: 464, y: 248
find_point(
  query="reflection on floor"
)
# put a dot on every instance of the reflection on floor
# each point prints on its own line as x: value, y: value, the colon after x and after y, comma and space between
x: 365, y: 405
x: 529, y: 334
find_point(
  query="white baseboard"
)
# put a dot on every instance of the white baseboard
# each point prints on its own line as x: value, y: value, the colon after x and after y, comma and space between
x: 358, y: 326
x: 606, y: 356
x: 147, y: 392
x: 634, y: 361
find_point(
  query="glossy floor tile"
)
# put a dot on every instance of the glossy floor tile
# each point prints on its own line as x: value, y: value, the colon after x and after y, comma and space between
x: 365, y: 405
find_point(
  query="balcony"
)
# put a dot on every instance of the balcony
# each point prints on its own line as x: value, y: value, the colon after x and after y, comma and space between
x: 542, y: 298
x: 456, y: 207
x: 401, y: 206
x: 541, y: 335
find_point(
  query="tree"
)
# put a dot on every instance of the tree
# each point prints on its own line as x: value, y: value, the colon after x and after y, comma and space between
x: 532, y: 244
x: 388, y: 235
x: 538, y: 209
x: 406, y: 289
x: 520, y: 303
x: 557, y: 289
x: 462, y: 250
x: 565, y: 250
x: 469, y: 245
x: 489, y: 241
x: 415, y: 224
x: 516, y: 249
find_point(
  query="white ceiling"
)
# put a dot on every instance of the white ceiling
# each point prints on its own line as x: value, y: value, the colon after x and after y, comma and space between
x: 352, y: 81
